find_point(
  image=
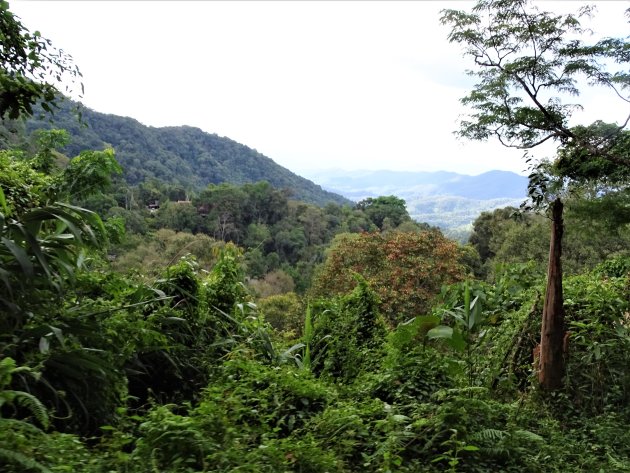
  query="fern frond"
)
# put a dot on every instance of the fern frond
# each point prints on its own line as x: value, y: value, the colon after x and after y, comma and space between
x: 15, y: 458
x: 527, y: 435
x: 500, y: 452
x: 34, y: 406
x: 15, y: 425
x: 490, y: 435
x: 620, y: 465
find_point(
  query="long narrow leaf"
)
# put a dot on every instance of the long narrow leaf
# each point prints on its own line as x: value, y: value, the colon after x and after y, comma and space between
x: 3, y: 203
x: 92, y: 219
x: 35, y: 247
x: 4, y: 276
x: 20, y: 256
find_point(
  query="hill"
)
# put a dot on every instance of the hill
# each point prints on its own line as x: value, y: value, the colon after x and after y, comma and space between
x: 183, y: 155
x: 449, y: 200
x: 361, y: 184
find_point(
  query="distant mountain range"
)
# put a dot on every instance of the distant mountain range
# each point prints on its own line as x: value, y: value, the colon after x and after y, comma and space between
x: 358, y: 185
x: 446, y: 199
x: 182, y: 154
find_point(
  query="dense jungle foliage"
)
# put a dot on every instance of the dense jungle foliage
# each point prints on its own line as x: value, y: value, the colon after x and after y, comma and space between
x: 144, y: 328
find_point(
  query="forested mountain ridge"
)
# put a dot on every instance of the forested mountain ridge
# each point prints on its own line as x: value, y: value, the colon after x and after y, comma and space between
x: 180, y: 154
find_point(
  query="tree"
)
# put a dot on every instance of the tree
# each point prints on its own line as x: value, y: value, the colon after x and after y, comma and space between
x: 385, y: 207
x: 223, y: 206
x: 529, y: 64
x: 264, y: 203
x: 485, y: 227
x: 405, y: 269
x: 313, y: 220
x: 501, y: 239
x: 284, y: 312
x: 179, y: 216
x: 32, y: 70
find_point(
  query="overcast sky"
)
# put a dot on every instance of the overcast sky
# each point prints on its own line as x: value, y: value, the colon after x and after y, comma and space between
x: 312, y: 85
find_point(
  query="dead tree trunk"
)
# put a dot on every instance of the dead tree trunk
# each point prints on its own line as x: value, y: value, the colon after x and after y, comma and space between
x: 551, y: 362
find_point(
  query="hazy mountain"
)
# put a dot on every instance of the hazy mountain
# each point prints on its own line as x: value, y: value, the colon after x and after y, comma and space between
x: 449, y: 200
x: 182, y: 154
x: 362, y: 184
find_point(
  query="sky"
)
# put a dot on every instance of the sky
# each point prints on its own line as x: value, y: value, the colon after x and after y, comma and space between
x: 311, y: 84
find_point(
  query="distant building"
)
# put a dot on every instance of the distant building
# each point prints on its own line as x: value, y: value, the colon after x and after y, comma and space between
x: 153, y: 206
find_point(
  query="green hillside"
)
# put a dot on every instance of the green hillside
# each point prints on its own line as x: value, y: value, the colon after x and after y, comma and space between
x: 180, y: 155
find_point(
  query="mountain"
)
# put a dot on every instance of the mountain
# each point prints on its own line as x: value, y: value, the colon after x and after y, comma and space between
x: 449, y: 200
x: 362, y: 184
x: 183, y: 155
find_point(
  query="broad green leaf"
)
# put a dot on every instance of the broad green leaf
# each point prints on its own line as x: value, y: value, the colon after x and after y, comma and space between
x: 457, y: 341
x: 425, y: 323
x: 441, y: 331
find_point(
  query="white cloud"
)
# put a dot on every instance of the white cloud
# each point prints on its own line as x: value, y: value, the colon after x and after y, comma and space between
x: 371, y: 85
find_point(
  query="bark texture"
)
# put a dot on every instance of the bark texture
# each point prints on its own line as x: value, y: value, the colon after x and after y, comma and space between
x: 551, y: 363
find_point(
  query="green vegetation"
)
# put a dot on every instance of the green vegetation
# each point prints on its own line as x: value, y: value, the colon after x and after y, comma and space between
x: 183, y: 156
x: 32, y: 69
x: 507, y: 236
x: 529, y: 65
x: 146, y: 329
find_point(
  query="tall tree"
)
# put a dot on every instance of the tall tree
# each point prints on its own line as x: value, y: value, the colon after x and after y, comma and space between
x: 528, y: 64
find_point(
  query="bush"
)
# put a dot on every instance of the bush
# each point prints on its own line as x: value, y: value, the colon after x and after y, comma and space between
x: 284, y: 312
x: 242, y: 422
x: 348, y: 334
x: 412, y: 371
x: 598, y: 348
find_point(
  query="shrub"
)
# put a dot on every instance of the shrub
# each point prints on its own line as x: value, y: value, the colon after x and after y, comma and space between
x: 348, y: 334
x: 284, y: 312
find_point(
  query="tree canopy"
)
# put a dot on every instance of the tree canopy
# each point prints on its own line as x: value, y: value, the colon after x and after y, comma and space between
x: 32, y: 70
x: 407, y: 269
x: 529, y: 64
x: 173, y: 368
x: 385, y: 211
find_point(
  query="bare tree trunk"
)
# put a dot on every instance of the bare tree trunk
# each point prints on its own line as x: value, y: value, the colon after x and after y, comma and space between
x: 551, y: 362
